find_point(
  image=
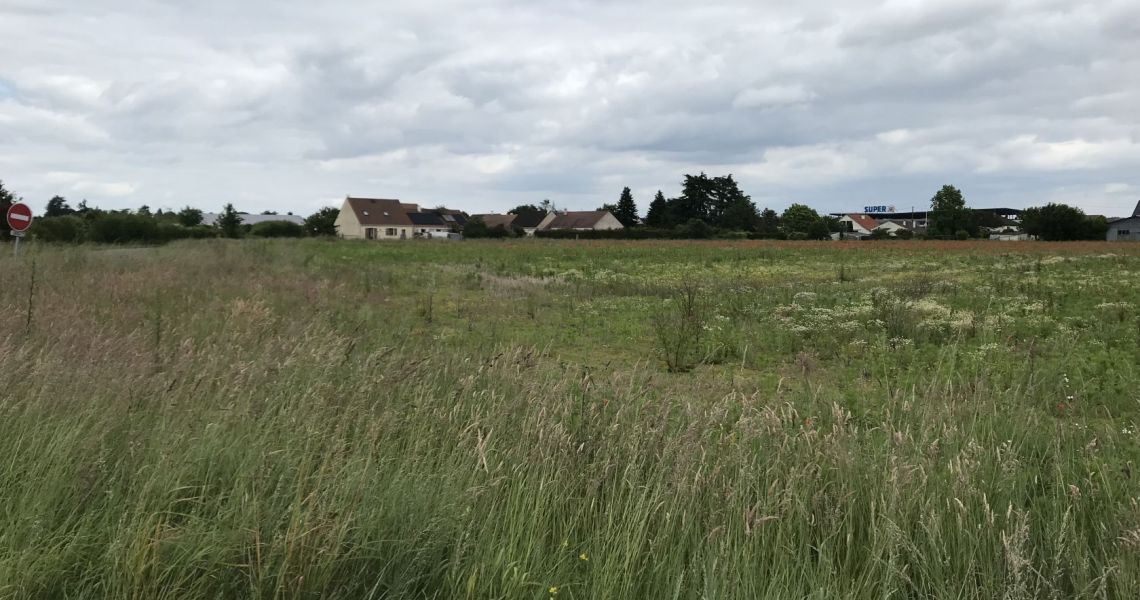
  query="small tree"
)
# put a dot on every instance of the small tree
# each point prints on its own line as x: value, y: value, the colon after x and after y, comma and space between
x: 799, y: 218
x: 948, y: 213
x: 189, y: 217
x: 58, y: 207
x: 626, y: 209
x: 769, y: 223
x: 322, y: 222
x: 476, y: 228
x: 7, y: 199
x: 229, y: 222
x: 1061, y: 222
x: 659, y: 214
x: 527, y: 209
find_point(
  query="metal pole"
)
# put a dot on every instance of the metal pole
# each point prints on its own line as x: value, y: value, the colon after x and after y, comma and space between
x: 16, y: 250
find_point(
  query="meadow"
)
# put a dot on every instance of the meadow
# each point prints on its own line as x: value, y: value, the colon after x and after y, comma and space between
x: 559, y: 419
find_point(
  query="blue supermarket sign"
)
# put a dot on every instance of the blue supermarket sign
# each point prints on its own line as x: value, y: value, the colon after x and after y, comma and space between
x: 878, y: 209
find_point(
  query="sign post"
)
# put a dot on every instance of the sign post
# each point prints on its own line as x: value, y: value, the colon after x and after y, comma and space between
x: 19, y: 220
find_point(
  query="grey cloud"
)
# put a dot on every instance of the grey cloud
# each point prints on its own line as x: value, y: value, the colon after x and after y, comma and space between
x: 285, y: 105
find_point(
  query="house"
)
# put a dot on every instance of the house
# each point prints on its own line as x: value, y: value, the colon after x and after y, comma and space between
x: 1126, y: 229
x: 591, y: 220
x: 429, y: 225
x: 374, y: 219
x: 857, y: 225
x: 532, y: 222
x: 492, y: 221
x: 892, y: 227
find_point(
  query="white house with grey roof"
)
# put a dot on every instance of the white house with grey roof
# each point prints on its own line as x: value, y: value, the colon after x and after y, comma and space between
x: 1126, y: 229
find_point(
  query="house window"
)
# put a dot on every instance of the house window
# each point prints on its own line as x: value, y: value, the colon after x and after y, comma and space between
x: 1123, y: 232
x: 370, y: 233
x: 390, y: 232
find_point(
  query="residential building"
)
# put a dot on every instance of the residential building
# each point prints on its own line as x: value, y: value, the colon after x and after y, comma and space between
x: 374, y: 219
x: 532, y: 222
x: 1126, y: 229
x: 429, y: 225
x: 592, y: 220
x: 857, y: 225
x: 892, y: 227
x: 492, y: 220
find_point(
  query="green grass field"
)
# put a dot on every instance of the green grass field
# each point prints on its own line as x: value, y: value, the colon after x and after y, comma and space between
x: 538, y: 419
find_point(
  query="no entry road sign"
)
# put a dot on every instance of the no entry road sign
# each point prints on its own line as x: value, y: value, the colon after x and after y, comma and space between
x: 19, y: 217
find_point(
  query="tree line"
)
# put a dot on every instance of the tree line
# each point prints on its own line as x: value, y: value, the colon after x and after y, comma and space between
x: 716, y: 206
x: 62, y: 223
x: 707, y: 207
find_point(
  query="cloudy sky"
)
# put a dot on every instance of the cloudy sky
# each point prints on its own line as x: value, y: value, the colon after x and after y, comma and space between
x: 482, y: 105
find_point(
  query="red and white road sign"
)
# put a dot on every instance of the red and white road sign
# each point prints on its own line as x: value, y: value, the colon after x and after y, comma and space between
x: 19, y: 217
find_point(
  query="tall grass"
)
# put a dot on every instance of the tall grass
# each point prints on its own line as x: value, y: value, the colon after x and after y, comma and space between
x: 248, y: 420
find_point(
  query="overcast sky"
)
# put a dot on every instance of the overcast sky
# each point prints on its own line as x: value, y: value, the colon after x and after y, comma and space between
x: 482, y: 105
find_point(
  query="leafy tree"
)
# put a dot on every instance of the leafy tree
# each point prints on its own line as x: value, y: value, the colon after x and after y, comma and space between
x: 659, y: 214
x: 144, y: 211
x: 1061, y: 222
x: 269, y: 212
x: 527, y: 209
x: 695, y: 201
x: 82, y: 208
x: 818, y: 230
x: 948, y: 213
x: 799, y: 218
x: 189, y: 217
x: 769, y: 223
x: 729, y: 207
x: 58, y: 207
x: 475, y: 227
x: 740, y: 214
x: 7, y: 199
x: 229, y: 222
x: 1095, y: 228
x: 626, y: 209
x: 322, y: 222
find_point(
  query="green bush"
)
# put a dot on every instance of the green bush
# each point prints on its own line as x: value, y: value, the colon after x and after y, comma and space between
x: 962, y: 235
x: 123, y: 228
x: 64, y: 230
x: 904, y: 234
x: 277, y: 229
x: 168, y: 232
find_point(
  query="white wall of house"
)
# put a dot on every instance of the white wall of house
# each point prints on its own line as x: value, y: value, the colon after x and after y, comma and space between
x: 608, y: 222
x: 433, y: 232
x: 856, y: 228
x: 1127, y: 230
x: 890, y: 227
x: 347, y: 226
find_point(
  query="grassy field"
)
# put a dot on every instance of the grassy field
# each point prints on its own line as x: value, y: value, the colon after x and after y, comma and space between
x: 538, y: 419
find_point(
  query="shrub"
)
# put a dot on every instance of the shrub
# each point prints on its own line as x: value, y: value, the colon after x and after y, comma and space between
x: 64, y: 230
x: 962, y: 234
x: 904, y: 234
x: 679, y: 327
x: 277, y: 229
x: 123, y: 228
x: 169, y: 232
x: 696, y: 229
